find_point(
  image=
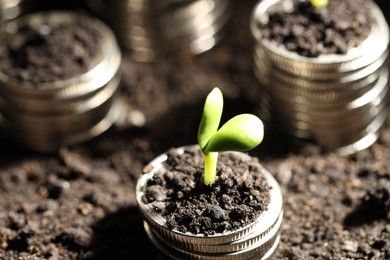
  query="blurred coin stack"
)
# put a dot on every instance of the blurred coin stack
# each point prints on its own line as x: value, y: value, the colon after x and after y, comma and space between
x: 10, y: 9
x: 151, y: 28
x: 257, y: 240
x: 339, y: 101
x: 45, y: 116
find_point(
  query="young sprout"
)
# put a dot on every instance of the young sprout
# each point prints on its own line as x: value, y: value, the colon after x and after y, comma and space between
x: 241, y: 133
x: 319, y: 3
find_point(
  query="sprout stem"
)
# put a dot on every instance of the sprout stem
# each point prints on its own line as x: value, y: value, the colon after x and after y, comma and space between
x: 210, y: 167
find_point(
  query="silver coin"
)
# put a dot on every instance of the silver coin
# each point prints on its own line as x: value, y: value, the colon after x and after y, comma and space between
x: 327, y: 96
x: 197, y: 22
x: 157, y: 222
x: 350, y: 125
x: 105, y: 67
x: 194, y: 9
x: 311, y: 113
x: 100, y: 6
x: 80, y: 85
x: 255, y: 239
x: 261, y: 251
x: 361, y: 144
x: 195, y: 26
x: 46, y: 116
x: 50, y: 143
x: 179, y: 38
x: 59, y: 125
x: 77, y: 104
x: 337, y: 77
x: 337, y: 100
x: 344, y: 138
x: 11, y: 9
x: 346, y: 128
x: 195, y: 46
x: 335, y: 128
x: 371, y: 99
x: 337, y: 82
x: 151, y: 29
x: 345, y: 142
x: 321, y: 73
x: 356, y: 58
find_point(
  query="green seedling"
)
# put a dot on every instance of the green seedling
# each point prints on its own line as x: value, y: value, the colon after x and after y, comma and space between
x: 319, y: 3
x: 241, y: 133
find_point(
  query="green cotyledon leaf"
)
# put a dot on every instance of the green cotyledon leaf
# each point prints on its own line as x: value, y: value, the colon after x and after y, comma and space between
x: 319, y: 3
x: 241, y: 133
x: 211, y: 117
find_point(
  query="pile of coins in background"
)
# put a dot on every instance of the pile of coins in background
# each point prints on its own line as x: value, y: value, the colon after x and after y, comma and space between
x: 257, y: 240
x: 339, y: 101
x: 151, y: 28
x: 46, y: 116
x: 10, y: 9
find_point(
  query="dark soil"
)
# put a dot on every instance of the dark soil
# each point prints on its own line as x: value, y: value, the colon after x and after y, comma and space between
x: 239, y: 195
x: 79, y: 203
x: 50, y: 53
x: 311, y: 31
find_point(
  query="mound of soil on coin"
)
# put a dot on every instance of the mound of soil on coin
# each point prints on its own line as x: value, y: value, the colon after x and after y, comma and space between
x: 47, y: 53
x: 311, y: 31
x: 239, y: 195
x: 79, y: 203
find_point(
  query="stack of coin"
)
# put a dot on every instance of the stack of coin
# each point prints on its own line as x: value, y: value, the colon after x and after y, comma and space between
x: 10, y: 9
x: 150, y: 29
x: 257, y: 240
x: 336, y: 100
x: 45, y: 116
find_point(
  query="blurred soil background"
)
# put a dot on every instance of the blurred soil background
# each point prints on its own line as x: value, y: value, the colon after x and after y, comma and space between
x: 79, y: 203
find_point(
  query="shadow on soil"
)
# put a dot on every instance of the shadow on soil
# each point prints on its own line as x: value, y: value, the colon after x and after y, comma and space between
x: 120, y: 235
x: 375, y: 205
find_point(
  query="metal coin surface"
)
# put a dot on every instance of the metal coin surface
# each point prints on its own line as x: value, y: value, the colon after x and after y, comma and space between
x: 46, y: 116
x: 104, y: 68
x: 337, y: 100
x: 151, y: 29
x: 255, y: 240
x: 51, y: 142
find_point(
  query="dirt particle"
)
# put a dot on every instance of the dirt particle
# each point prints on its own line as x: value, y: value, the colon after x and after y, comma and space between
x: 75, y: 162
x: 349, y: 245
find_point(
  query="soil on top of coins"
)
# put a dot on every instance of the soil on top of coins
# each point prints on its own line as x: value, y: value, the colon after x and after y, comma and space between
x: 311, y: 31
x: 49, y: 53
x: 79, y: 202
x: 238, y: 196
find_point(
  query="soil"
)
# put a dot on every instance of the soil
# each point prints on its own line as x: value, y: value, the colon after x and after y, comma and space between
x: 238, y: 196
x: 311, y: 31
x: 79, y: 203
x: 47, y: 53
